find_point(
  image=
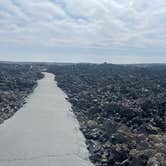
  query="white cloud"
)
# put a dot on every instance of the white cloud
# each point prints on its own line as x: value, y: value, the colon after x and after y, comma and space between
x: 109, y: 24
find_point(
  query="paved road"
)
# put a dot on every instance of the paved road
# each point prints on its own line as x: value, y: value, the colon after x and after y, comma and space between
x: 44, y: 132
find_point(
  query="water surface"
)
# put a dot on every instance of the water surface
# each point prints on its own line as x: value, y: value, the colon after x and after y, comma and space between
x: 44, y: 132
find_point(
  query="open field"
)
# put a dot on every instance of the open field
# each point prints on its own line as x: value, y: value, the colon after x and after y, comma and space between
x: 17, y: 81
x: 121, y: 110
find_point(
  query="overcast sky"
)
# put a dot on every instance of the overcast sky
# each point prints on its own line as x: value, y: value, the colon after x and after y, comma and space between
x: 117, y: 31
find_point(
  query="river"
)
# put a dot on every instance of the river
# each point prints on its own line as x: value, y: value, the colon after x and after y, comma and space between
x: 44, y: 132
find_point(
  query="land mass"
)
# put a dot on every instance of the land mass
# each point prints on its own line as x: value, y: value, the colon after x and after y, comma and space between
x: 17, y: 81
x: 121, y: 110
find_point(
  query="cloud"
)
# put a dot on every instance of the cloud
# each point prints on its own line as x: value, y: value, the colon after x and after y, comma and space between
x: 102, y: 24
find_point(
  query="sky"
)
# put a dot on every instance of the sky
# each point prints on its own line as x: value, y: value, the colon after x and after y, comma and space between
x: 115, y: 31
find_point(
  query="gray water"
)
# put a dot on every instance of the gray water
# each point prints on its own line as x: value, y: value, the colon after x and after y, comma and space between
x: 44, y: 132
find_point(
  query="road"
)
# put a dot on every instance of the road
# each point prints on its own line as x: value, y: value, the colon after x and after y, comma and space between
x: 44, y: 132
